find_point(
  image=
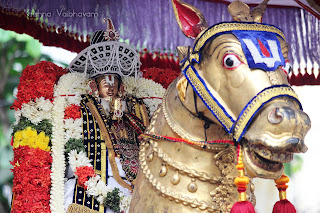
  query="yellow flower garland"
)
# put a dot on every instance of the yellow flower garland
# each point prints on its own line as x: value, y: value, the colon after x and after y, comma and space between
x: 30, y: 137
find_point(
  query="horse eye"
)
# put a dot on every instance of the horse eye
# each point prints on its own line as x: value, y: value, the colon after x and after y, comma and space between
x: 231, y: 61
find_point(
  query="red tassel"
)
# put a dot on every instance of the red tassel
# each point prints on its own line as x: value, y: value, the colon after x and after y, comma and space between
x: 284, y: 206
x: 242, y: 207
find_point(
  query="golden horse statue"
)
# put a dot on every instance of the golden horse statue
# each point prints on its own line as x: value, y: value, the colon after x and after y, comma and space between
x: 233, y: 90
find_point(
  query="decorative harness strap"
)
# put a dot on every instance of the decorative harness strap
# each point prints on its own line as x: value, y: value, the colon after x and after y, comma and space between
x: 233, y: 125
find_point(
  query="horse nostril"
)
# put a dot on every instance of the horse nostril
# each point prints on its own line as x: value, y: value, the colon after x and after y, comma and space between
x: 275, y: 116
x: 297, y: 145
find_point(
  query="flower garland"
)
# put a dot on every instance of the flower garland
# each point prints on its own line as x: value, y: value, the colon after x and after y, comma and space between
x: 36, y: 111
x: 48, y: 110
x: 31, y: 182
x: 163, y: 76
x: 94, y: 186
x: 37, y: 81
x: 31, y: 136
x: 66, y: 125
x: 150, y: 91
x: 72, y: 111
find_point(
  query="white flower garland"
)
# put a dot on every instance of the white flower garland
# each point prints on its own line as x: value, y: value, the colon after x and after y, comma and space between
x: 145, y: 88
x: 78, y: 159
x: 95, y: 186
x: 67, y: 91
x: 35, y: 111
x: 73, y: 128
x: 58, y: 162
x: 71, y: 84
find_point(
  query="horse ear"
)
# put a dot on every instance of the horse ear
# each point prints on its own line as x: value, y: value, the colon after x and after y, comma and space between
x: 240, y: 11
x: 258, y: 11
x: 183, y: 52
x: 191, y: 21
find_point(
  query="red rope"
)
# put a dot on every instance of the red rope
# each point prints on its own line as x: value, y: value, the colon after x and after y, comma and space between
x: 198, y: 143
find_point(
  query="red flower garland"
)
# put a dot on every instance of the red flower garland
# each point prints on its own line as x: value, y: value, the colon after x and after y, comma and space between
x: 161, y: 76
x: 84, y: 173
x: 37, y: 81
x: 31, y: 182
x: 72, y: 111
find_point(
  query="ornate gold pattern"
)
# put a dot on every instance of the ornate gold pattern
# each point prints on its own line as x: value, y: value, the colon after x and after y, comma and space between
x: 194, y: 56
x: 225, y: 27
x: 144, y: 114
x: 182, y: 168
x: 226, y: 160
x: 261, y: 98
x: 182, y: 88
x: 79, y: 209
x: 178, y: 198
x: 222, y: 195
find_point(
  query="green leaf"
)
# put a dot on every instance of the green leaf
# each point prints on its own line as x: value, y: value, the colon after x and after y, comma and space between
x: 33, y: 48
x: 23, y: 37
x: 5, y: 36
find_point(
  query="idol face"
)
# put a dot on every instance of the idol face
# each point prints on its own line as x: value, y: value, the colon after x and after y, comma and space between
x: 109, y: 87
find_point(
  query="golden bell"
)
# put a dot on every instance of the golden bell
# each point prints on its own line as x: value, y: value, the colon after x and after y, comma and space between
x: 150, y: 157
x: 163, y: 170
x: 192, y: 187
x: 175, y: 179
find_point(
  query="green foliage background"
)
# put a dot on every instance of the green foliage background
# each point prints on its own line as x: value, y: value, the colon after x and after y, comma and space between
x: 16, y: 52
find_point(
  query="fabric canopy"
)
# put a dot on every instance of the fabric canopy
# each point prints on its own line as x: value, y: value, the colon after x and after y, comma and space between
x: 150, y: 23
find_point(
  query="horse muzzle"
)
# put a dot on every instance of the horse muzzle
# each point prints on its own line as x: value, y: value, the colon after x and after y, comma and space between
x: 274, y: 135
x: 280, y: 126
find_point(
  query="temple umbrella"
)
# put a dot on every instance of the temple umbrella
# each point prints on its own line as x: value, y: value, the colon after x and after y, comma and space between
x: 150, y: 25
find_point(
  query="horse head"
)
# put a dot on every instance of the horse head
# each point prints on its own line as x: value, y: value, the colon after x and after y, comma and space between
x: 238, y: 70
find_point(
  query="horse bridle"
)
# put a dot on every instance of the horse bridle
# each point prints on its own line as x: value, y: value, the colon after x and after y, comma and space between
x: 232, y: 125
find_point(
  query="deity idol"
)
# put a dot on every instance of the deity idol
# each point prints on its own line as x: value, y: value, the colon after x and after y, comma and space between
x: 112, y: 121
